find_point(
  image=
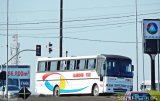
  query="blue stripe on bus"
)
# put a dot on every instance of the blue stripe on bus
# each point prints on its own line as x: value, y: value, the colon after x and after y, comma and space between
x: 50, y: 87
x: 73, y: 90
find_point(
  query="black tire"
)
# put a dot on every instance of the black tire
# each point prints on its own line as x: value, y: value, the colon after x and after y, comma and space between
x: 56, y: 92
x: 95, y: 90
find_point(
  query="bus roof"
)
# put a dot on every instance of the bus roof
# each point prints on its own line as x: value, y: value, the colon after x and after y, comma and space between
x: 115, y: 56
x: 70, y: 58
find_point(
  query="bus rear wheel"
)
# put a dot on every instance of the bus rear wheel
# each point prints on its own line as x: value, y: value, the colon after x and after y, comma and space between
x: 95, y: 90
x: 56, y: 92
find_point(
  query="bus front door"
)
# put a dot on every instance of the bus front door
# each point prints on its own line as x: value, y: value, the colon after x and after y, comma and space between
x: 103, y: 78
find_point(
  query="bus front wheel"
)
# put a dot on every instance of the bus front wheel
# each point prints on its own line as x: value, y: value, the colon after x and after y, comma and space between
x: 56, y: 92
x: 95, y: 90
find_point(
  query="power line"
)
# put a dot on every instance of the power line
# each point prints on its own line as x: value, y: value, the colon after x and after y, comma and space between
x: 57, y: 21
x: 82, y: 39
x: 80, y: 20
x: 99, y: 40
x: 75, y: 9
x: 71, y: 27
x: 95, y: 29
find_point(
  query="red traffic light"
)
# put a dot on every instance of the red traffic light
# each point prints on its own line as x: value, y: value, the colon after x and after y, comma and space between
x: 38, y: 50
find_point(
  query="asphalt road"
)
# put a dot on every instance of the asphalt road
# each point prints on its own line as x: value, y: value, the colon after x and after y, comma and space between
x: 68, y: 98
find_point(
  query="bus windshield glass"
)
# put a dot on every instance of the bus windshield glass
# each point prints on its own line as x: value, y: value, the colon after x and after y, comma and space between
x: 119, y: 67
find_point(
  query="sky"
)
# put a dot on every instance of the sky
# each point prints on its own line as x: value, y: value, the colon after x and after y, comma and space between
x: 90, y: 27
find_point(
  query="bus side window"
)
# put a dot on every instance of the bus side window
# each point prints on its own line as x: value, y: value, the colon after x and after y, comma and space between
x: 86, y: 67
x: 58, y: 65
x: 67, y: 65
x: 41, y: 66
x: 49, y: 65
x: 82, y: 64
x: 72, y: 65
x: 62, y: 65
x: 53, y: 66
x: 77, y: 65
x: 46, y: 67
x: 91, y: 63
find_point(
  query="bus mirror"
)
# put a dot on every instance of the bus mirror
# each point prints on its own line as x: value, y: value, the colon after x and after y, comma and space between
x: 132, y: 68
x: 104, y: 66
x: 3, y: 89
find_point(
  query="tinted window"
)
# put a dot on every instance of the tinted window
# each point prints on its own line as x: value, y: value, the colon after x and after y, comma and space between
x: 48, y: 67
x: 62, y: 65
x: 72, y: 63
x: 118, y: 67
x: 58, y: 65
x: 77, y: 64
x: 82, y: 64
x: 53, y: 66
x: 41, y: 66
x: 91, y: 63
x: 67, y: 65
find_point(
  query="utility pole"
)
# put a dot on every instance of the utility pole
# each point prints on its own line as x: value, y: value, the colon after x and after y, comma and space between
x: 61, y: 29
x: 7, y: 52
x: 136, y: 43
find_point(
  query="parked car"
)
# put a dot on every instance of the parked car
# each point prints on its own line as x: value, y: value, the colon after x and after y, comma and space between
x: 137, y: 96
x: 13, y: 91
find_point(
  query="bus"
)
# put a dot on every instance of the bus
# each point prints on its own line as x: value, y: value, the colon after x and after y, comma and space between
x: 83, y: 75
x: 118, y: 75
x: 146, y: 85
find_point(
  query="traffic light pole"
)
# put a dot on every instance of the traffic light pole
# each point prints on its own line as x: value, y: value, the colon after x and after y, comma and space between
x: 18, y: 54
x: 7, y: 52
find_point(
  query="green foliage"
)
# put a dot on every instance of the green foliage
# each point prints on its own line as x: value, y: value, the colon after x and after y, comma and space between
x: 119, y: 97
x: 155, y: 95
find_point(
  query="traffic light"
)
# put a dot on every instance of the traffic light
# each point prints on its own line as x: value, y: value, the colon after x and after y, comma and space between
x: 3, y: 75
x: 50, y: 47
x: 38, y: 50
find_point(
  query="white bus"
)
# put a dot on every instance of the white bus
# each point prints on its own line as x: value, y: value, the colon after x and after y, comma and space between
x: 118, y: 74
x: 81, y: 75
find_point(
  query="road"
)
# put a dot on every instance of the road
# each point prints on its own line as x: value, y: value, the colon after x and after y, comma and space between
x: 69, y: 98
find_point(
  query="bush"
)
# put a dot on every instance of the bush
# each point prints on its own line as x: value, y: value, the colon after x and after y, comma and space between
x: 155, y: 95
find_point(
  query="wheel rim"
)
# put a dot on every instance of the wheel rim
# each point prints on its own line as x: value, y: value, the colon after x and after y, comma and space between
x: 96, y: 91
x: 56, y: 92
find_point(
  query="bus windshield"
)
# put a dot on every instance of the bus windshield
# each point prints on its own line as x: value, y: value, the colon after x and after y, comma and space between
x: 119, y: 67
